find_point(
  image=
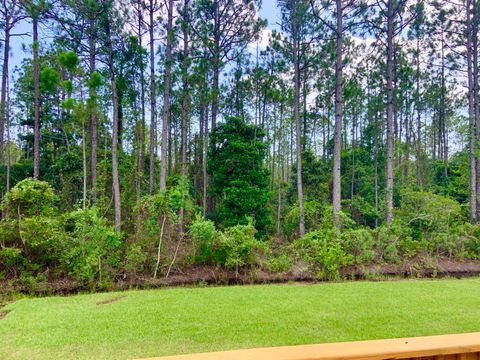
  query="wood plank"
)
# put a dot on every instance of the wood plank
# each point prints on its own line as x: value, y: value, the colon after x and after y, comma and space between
x: 416, y: 347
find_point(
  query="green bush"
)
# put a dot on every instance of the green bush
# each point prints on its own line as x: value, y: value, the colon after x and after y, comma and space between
x: 30, y: 197
x: 313, y: 211
x: 92, y: 248
x: 40, y: 232
x: 429, y: 223
x: 11, y: 260
x: 361, y: 211
x: 359, y: 244
x: 279, y: 263
x: 179, y: 197
x: 468, y: 241
x: 386, y: 244
x: 237, y: 247
x: 42, y: 237
x: 325, y: 251
x: 135, y: 259
x: 203, y: 234
x: 8, y: 232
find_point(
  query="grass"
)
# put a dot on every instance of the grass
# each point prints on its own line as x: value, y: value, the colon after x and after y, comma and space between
x: 183, y: 320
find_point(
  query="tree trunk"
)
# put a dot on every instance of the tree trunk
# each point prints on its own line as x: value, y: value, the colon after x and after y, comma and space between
x: 115, y: 109
x: 84, y: 167
x: 153, y: 102
x: 442, y: 111
x: 36, y: 85
x: 419, y: 125
x: 337, y: 185
x: 3, y: 100
x: 280, y: 179
x: 9, y: 145
x: 352, y: 180
x: 476, y: 109
x: 93, y: 114
x: 166, y: 98
x: 141, y: 137
x: 471, y: 118
x: 389, y: 75
x: 216, y: 67
x: 304, y: 114
x: 199, y: 163
x: 375, y: 161
x: 186, y: 102
x: 296, y: 80
x: 205, y: 158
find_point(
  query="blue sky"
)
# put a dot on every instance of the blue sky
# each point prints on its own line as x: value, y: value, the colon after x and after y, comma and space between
x: 269, y: 11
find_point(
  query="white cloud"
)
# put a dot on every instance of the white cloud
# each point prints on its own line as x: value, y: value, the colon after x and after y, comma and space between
x: 262, y: 41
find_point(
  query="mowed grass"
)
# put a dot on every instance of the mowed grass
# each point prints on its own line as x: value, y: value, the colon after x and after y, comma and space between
x: 183, y: 320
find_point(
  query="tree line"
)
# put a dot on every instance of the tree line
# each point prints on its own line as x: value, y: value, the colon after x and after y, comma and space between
x: 342, y: 110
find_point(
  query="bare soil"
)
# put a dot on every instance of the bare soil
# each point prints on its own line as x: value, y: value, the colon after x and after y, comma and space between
x: 3, y: 313
x: 111, y: 300
x: 210, y: 275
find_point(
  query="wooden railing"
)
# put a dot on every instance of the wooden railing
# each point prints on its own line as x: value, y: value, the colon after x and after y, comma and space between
x: 443, y: 347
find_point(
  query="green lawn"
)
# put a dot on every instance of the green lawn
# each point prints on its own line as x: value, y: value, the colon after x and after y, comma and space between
x: 182, y: 320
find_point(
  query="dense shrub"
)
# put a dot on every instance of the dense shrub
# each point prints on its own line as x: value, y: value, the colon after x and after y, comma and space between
x: 428, y: 222
x: 467, y: 243
x: 237, y: 247
x: 361, y: 211
x: 30, y: 233
x: 38, y: 243
x: 203, y: 234
x: 234, y: 247
x: 92, y: 248
x: 135, y: 259
x: 279, y: 262
x: 359, y: 244
x: 313, y: 211
x: 30, y: 197
x: 156, y: 217
x: 12, y: 260
x: 42, y: 238
x: 386, y: 243
x: 325, y: 250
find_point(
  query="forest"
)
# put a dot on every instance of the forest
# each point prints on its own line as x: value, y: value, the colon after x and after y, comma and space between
x: 148, y: 139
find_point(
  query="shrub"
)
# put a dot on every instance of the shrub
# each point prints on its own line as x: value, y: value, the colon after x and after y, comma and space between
x: 154, y: 218
x: 468, y: 241
x: 386, y: 243
x: 8, y: 232
x: 92, y: 248
x: 42, y: 237
x: 359, y: 244
x: 11, y: 260
x: 279, y: 263
x: 313, y: 211
x: 30, y: 197
x: 429, y: 222
x: 410, y: 247
x: 325, y: 251
x: 203, y: 234
x: 135, y: 259
x: 361, y: 211
x: 179, y: 197
x: 237, y: 247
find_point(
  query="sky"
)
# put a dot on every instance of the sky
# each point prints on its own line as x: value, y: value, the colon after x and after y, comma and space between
x: 20, y: 45
x: 271, y: 12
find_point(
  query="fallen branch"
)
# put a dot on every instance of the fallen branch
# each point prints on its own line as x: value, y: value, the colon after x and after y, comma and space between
x: 159, y: 248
